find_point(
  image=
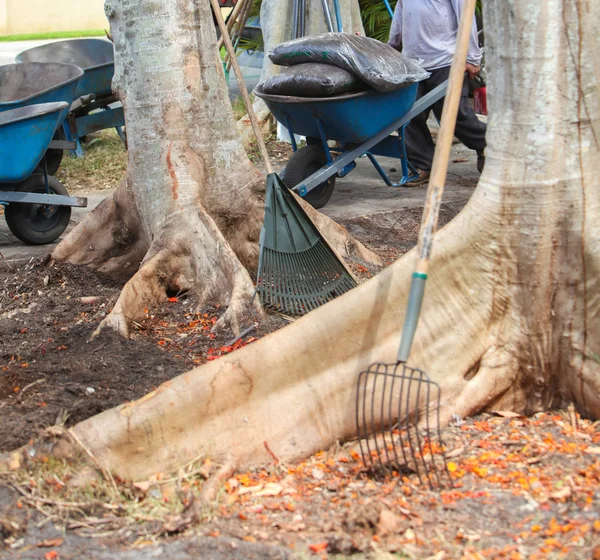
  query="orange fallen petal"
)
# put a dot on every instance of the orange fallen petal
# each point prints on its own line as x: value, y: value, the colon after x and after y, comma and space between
x: 318, y: 547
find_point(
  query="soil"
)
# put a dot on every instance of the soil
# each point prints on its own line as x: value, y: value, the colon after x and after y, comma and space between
x: 52, y: 370
x: 521, y: 488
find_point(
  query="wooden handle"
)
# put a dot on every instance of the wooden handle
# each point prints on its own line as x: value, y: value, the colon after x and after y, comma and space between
x: 242, y: 85
x: 439, y: 169
x: 232, y: 20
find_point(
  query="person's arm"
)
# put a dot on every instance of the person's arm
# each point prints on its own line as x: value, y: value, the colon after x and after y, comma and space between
x: 474, y: 54
x: 396, y: 29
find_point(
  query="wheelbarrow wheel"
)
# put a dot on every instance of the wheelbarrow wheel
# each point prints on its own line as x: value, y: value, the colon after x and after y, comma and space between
x: 303, y: 163
x: 53, y: 157
x: 38, y: 224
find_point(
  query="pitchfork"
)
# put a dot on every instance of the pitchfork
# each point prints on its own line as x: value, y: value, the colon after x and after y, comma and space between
x: 392, y: 397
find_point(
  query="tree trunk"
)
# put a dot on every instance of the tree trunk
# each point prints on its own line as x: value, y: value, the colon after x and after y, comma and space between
x: 511, y: 314
x: 190, y: 208
x: 276, y: 22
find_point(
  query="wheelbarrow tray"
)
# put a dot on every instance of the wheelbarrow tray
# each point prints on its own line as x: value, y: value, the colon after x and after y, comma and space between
x: 33, y: 83
x: 352, y: 117
x: 94, y: 56
x: 25, y: 133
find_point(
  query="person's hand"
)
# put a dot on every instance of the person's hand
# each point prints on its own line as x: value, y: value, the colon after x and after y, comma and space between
x: 473, y: 70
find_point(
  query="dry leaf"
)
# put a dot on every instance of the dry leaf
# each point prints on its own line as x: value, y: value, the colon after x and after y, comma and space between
x: 250, y: 489
x: 270, y: 489
x: 50, y: 543
x: 593, y: 450
x: 389, y: 523
x: 410, y: 535
x: 455, y: 452
x: 507, y: 414
x: 143, y: 486
x: 562, y: 494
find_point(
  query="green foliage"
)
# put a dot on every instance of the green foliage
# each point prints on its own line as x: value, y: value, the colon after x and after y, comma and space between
x: 376, y: 19
x: 255, y: 11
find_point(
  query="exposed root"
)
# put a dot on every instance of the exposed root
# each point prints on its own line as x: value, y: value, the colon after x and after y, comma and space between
x: 211, y: 487
x: 144, y: 289
x: 110, y: 239
x: 242, y: 301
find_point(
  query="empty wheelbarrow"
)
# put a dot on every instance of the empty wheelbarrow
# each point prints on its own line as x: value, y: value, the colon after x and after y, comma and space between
x: 30, y: 83
x: 37, y: 206
x: 369, y: 123
x: 95, y: 107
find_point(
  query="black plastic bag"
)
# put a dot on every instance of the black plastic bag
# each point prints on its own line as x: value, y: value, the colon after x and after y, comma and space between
x: 377, y: 64
x: 312, y: 79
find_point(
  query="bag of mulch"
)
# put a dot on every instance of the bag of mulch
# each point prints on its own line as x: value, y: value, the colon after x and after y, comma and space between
x: 377, y: 64
x: 312, y: 80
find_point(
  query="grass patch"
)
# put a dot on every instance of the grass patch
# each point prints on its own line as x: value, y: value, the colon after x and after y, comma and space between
x: 239, y: 107
x: 102, y: 167
x: 53, y: 35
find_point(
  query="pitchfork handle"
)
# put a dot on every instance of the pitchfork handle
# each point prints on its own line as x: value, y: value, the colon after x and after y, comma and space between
x: 437, y: 181
x: 241, y: 84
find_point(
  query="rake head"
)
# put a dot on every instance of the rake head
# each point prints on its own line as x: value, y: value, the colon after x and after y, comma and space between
x: 297, y: 270
x: 398, y: 422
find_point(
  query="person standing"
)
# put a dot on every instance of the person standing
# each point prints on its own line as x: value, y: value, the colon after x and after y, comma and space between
x: 427, y: 30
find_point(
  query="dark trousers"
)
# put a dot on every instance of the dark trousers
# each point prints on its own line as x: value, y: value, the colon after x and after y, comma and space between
x: 469, y: 129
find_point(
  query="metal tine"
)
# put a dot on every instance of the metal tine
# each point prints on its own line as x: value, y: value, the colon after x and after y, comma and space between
x: 407, y: 416
x: 373, y: 429
x: 368, y: 456
x: 427, y: 472
x: 392, y: 423
x: 430, y: 435
x: 383, y: 416
x: 399, y: 421
x: 360, y: 424
x: 439, y: 433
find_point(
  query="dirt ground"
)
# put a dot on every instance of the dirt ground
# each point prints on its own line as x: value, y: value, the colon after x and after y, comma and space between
x: 520, y: 487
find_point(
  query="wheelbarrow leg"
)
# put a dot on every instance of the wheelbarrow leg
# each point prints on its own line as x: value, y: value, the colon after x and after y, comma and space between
x: 394, y: 147
x: 78, y: 151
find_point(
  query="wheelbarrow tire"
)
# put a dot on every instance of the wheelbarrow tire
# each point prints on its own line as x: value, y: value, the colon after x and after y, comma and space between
x: 38, y: 224
x: 53, y: 157
x: 303, y: 163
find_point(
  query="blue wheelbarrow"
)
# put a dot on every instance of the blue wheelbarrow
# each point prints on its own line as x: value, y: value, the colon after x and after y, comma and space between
x: 32, y: 83
x: 368, y: 123
x: 95, y: 107
x: 37, y: 207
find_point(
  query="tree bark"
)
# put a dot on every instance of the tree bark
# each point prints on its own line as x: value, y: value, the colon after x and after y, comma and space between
x: 188, y: 215
x: 511, y: 313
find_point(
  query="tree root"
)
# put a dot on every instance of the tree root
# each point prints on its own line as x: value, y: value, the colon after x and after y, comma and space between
x: 110, y: 239
x: 211, y: 487
x: 194, y: 258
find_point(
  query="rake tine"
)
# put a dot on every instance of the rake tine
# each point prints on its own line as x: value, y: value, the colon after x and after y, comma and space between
x: 373, y: 424
x: 418, y: 438
x: 407, y: 416
x: 430, y: 435
x: 439, y: 433
x: 383, y: 418
x: 391, y: 426
x: 404, y: 456
x: 368, y: 456
x: 359, y: 425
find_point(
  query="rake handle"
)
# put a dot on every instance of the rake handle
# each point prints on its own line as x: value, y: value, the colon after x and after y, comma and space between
x: 437, y: 180
x: 242, y: 85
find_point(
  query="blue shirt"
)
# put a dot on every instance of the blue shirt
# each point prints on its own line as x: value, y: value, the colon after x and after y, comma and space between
x: 427, y: 31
